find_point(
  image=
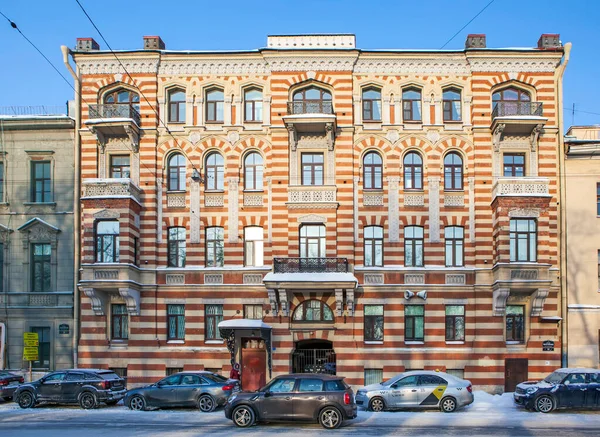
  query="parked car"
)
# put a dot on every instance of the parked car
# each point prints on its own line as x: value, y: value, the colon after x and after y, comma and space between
x: 563, y: 388
x: 417, y: 389
x: 205, y: 390
x: 8, y: 384
x: 87, y: 387
x: 326, y: 399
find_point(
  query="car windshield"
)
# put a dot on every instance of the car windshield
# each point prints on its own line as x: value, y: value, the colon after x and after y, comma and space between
x: 389, y: 381
x: 555, y: 377
x: 214, y: 377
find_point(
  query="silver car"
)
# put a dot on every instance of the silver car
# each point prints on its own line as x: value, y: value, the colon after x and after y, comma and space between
x: 418, y: 389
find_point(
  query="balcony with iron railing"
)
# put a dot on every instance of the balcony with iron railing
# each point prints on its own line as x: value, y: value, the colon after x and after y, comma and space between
x: 111, y: 188
x: 516, y: 117
x: 310, y: 265
x: 310, y: 107
x: 110, y: 120
x: 316, y: 117
x: 114, y: 111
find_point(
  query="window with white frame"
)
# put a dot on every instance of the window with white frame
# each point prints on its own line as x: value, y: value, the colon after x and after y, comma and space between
x: 253, y: 105
x: 523, y: 240
x: 253, y: 246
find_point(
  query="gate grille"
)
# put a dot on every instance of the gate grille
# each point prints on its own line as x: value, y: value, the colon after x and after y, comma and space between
x: 314, y: 361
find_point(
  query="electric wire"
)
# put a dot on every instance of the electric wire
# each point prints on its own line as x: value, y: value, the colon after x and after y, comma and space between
x: 469, y: 22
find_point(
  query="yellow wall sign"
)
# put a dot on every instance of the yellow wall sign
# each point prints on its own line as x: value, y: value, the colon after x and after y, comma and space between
x: 30, y: 339
x: 30, y: 353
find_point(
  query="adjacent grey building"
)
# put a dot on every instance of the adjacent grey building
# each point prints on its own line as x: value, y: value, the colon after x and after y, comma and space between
x: 36, y: 235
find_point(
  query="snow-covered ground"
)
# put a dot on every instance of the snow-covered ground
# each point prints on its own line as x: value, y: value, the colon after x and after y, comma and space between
x: 487, y: 410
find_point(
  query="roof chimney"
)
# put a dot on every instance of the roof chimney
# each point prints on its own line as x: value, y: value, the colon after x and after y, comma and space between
x: 87, y: 44
x: 153, y: 43
x: 475, y: 41
x: 549, y: 41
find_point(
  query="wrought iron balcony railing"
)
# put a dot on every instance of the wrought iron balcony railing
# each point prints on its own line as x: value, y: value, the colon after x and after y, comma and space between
x: 115, y: 111
x: 310, y: 107
x: 511, y: 109
x: 310, y: 265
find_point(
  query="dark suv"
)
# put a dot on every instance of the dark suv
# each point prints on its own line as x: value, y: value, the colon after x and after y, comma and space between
x: 87, y: 387
x: 564, y: 388
x: 311, y: 397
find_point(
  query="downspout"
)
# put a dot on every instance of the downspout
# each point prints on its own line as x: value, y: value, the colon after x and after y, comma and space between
x: 563, y: 211
x: 2, y: 343
x: 76, y: 205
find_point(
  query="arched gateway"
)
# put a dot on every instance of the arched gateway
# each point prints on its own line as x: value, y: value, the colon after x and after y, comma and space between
x: 314, y: 356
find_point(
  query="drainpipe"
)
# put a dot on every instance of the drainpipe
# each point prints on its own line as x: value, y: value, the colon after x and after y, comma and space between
x: 76, y: 203
x: 563, y: 211
x: 2, y: 343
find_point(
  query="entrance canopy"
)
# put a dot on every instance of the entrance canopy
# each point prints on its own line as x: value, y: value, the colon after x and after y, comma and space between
x: 235, y: 329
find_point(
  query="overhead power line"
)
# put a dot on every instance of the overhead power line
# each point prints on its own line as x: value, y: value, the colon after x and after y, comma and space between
x: 469, y: 22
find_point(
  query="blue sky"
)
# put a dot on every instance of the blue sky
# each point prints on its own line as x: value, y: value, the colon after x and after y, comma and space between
x: 26, y: 78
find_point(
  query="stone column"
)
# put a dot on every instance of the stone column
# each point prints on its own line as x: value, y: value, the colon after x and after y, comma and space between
x: 269, y: 210
x: 466, y: 110
x: 385, y: 116
x: 232, y: 198
x: 426, y: 111
x: 398, y: 110
x: 355, y: 211
x: 438, y: 111
x: 194, y: 212
x: 267, y: 110
x: 434, y: 209
x: 471, y: 209
x: 357, y: 109
x: 393, y: 209
x: 159, y: 209
x: 227, y: 111
x: 200, y: 110
x: 239, y: 111
x: 189, y: 111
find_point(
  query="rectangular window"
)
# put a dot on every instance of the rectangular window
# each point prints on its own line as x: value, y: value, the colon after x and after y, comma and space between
x: 175, y: 322
x: 41, y: 254
x: 312, y: 241
x: 414, y: 323
x: 514, y: 165
x: 41, y: 181
x: 119, y: 166
x: 213, y: 315
x: 413, y: 246
x: 312, y: 169
x: 515, y: 323
x: 373, y: 320
x: 454, y: 240
x: 176, y: 247
x: 43, y: 361
x: 253, y: 246
x: 173, y: 370
x: 214, y: 247
x: 373, y: 246
x: 107, y: 241
x: 120, y: 371
x: 459, y: 373
x: 120, y: 322
x: 523, y: 240
x: 253, y: 312
x: 373, y: 376
x: 455, y: 323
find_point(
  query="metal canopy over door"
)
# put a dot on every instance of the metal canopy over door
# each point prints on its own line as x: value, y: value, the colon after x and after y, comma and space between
x: 515, y: 372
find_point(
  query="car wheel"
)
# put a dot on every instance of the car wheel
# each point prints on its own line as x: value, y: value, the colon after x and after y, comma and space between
x: 243, y: 416
x: 377, y: 405
x: 26, y: 400
x: 206, y: 403
x: 137, y: 403
x: 330, y: 418
x: 448, y: 405
x: 544, y: 404
x: 87, y: 400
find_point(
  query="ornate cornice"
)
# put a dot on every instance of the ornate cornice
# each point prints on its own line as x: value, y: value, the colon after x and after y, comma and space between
x: 421, y: 66
x: 214, y: 66
x: 512, y: 65
x: 112, y: 66
x: 311, y: 63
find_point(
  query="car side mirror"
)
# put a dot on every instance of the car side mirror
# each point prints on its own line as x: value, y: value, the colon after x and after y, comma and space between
x: 267, y: 394
x: 394, y: 386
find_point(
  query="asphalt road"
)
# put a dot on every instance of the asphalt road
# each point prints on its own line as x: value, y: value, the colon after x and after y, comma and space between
x: 92, y: 427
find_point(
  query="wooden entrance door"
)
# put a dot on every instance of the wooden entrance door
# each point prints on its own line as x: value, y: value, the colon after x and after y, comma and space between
x: 515, y: 372
x: 254, y: 369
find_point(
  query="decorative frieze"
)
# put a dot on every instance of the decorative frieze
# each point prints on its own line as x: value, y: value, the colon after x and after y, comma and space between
x: 438, y: 66
x: 373, y: 199
x: 43, y: 300
x: 252, y: 278
x: 414, y: 199
x: 521, y: 187
x: 414, y: 278
x: 253, y: 199
x: 373, y: 278
x: 175, y: 200
x: 214, y: 66
x: 311, y: 194
x: 106, y: 274
x: 114, y: 66
x: 454, y: 200
x: 213, y: 278
x: 524, y: 274
x: 456, y: 279
x: 214, y: 199
x: 513, y: 65
x: 175, y: 279
x: 106, y: 188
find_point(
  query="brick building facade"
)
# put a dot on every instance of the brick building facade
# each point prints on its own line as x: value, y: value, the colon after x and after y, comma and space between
x: 339, y: 210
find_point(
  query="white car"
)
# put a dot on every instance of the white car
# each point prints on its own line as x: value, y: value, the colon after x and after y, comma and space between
x: 417, y: 389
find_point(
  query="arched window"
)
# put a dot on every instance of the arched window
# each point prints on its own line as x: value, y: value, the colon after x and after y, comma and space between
x: 214, y: 172
x: 511, y: 101
x: 451, y: 104
x: 371, y: 100
x: 312, y: 100
x: 453, y: 172
x: 372, y: 171
x: 313, y: 311
x: 122, y: 97
x: 177, y: 106
x: 413, y: 171
x: 215, y: 106
x: 253, y: 171
x: 120, y: 103
x: 176, y: 170
x: 253, y: 105
x: 411, y: 104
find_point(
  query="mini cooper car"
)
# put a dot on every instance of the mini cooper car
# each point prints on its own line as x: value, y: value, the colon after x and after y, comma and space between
x: 563, y: 388
x: 204, y: 390
x: 8, y: 384
x: 326, y: 399
x: 417, y: 389
x: 87, y: 387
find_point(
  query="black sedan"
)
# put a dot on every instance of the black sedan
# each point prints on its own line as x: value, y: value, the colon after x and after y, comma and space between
x: 8, y: 384
x: 204, y: 390
x: 564, y: 388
